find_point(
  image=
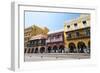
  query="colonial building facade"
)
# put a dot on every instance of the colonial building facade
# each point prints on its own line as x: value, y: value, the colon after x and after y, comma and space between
x: 55, y: 42
x: 75, y: 38
x: 33, y: 31
x: 37, y: 44
x: 78, y: 34
x: 35, y: 38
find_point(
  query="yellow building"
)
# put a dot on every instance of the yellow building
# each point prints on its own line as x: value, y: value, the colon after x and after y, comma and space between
x: 77, y: 34
x: 33, y: 31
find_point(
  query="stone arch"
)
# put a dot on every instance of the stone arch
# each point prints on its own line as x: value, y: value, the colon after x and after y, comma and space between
x: 25, y: 50
x: 72, y: 47
x: 81, y: 46
x: 49, y: 49
x: 55, y: 48
x: 88, y: 44
x: 61, y: 48
x: 32, y: 51
x: 36, y: 50
x: 29, y: 50
x: 89, y: 47
x: 42, y: 49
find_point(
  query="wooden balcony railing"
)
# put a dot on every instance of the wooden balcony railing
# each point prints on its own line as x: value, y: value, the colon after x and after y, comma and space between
x: 55, y: 40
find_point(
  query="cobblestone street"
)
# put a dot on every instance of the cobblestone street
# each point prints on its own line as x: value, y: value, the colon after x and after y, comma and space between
x: 55, y: 56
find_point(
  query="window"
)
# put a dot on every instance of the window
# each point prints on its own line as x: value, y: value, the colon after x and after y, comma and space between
x: 69, y: 35
x: 30, y: 42
x: 58, y: 36
x: 84, y: 22
x: 43, y: 42
x: 75, y: 24
x: 52, y: 36
x: 35, y: 42
x: 68, y: 26
x: 87, y: 32
x: 77, y: 34
x: 39, y: 42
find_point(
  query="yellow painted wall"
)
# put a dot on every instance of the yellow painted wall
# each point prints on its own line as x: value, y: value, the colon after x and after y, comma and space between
x: 79, y: 23
x: 79, y: 26
x: 75, y: 41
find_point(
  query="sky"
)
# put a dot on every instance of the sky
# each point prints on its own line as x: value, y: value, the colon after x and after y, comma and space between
x: 52, y: 20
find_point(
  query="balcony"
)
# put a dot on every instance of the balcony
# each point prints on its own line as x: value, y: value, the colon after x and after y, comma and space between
x: 48, y: 40
x: 54, y: 40
x: 78, y: 37
x: 36, y: 43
